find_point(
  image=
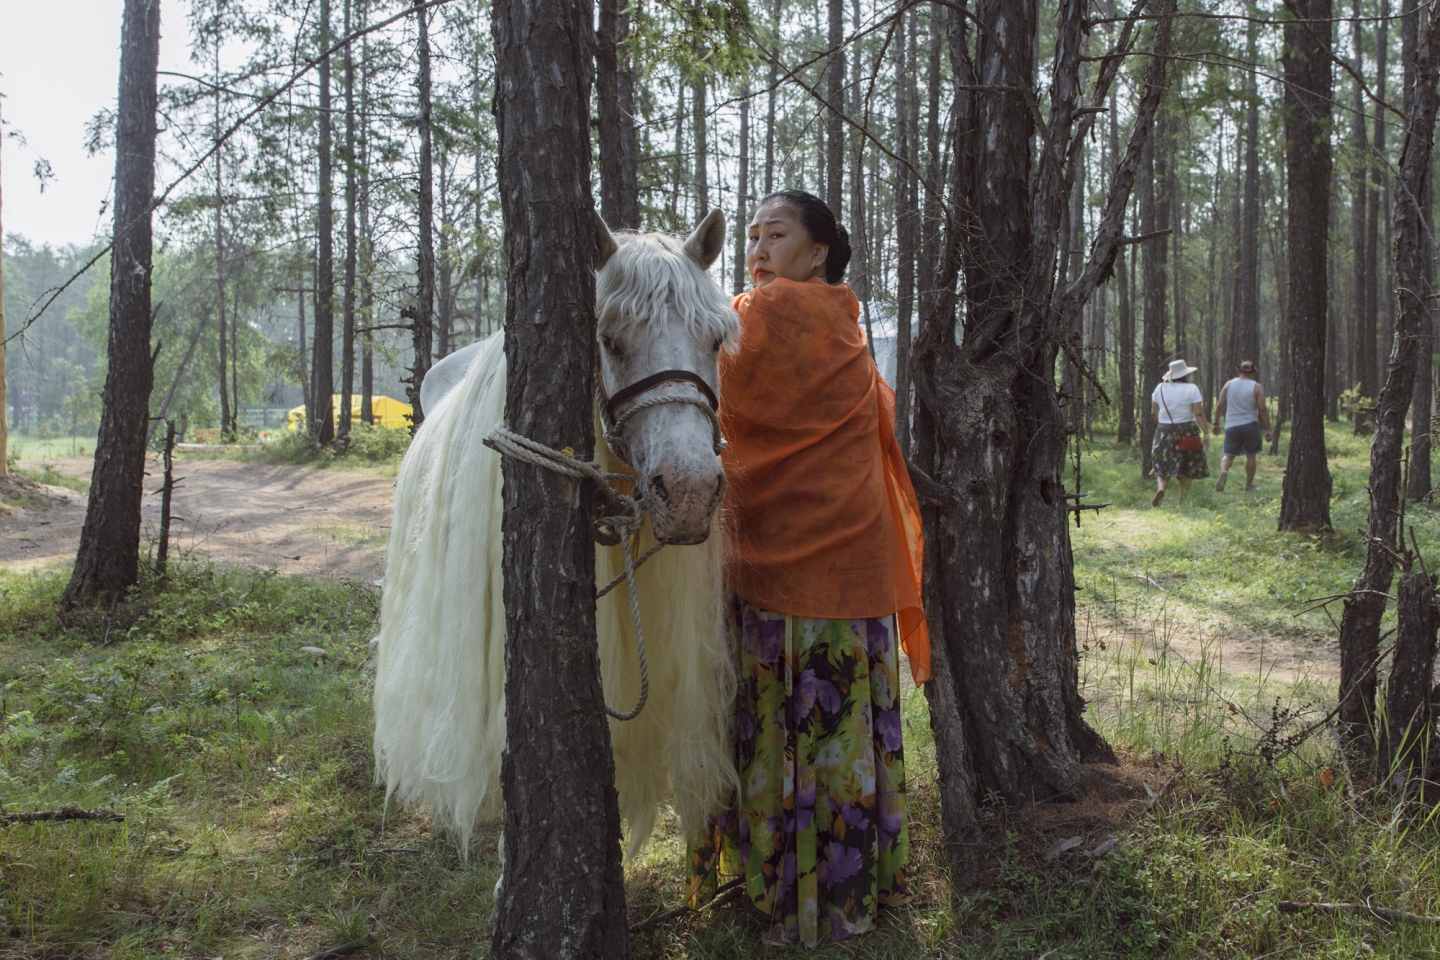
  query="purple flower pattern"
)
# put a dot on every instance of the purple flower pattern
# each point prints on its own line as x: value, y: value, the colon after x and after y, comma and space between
x: 818, y: 829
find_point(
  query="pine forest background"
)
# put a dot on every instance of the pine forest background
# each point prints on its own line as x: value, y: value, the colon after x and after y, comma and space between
x: 729, y: 103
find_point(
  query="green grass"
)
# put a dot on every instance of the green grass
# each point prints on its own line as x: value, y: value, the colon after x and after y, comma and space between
x: 254, y: 828
x: 49, y: 474
x: 23, y: 447
x: 369, y: 447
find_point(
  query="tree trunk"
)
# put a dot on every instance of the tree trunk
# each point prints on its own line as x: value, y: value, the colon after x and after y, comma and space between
x: 1125, y: 319
x: 906, y: 234
x: 1405, y: 736
x: 322, y: 367
x: 1000, y: 579
x: 835, y: 116
x: 445, y: 307
x: 1152, y: 284
x: 1247, y: 307
x: 742, y: 193
x: 367, y: 265
x: 1305, y: 494
x: 859, y: 224
x: 931, y: 214
x: 1360, y: 623
x: 773, y: 84
x: 1362, y: 348
x: 422, y: 323
x: 556, y: 899
x: 1374, y: 376
x: 702, y: 149
x: 1422, y: 400
x: 347, y: 339
x: 227, y: 415
x: 108, y: 561
x: 615, y: 103
x: 305, y: 384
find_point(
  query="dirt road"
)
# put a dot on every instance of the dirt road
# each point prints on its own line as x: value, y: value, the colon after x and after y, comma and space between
x: 302, y: 520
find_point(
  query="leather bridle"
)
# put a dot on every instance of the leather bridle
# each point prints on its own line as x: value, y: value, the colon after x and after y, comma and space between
x: 613, y: 422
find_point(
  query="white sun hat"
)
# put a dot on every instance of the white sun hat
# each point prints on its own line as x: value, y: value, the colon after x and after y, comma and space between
x: 1178, y: 369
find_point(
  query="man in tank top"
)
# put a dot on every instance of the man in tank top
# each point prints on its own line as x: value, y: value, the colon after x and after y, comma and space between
x: 1242, y: 405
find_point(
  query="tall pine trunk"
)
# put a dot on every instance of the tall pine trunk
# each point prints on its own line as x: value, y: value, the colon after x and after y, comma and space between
x: 108, y: 561
x: 1377, y: 193
x: 1305, y: 494
x: 556, y: 899
x: 1247, y: 288
x: 422, y: 322
x: 1360, y: 623
x: 322, y: 367
x: 907, y: 236
x: 347, y: 337
x: 1423, y: 398
x: 835, y: 116
x: 1152, y: 285
x: 702, y: 148
x: 742, y: 193
x: 615, y: 103
x: 772, y: 88
x: 227, y: 421
x: 1362, y: 348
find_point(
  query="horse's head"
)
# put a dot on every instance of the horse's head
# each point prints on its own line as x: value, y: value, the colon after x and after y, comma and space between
x: 661, y: 317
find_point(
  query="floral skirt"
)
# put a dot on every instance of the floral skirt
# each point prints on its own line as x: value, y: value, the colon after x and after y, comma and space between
x: 1169, y: 460
x: 818, y: 830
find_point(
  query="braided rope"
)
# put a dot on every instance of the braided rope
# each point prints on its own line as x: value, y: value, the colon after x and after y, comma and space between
x: 617, y: 527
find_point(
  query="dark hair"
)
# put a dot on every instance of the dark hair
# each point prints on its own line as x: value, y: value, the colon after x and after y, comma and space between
x: 820, y: 222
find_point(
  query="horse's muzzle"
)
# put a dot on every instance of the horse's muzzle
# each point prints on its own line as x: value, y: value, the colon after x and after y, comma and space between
x: 683, y: 501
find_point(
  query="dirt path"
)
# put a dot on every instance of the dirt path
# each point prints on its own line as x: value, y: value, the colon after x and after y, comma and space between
x: 299, y: 520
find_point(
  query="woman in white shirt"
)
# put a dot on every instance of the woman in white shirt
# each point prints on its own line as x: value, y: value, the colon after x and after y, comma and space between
x: 1179, y: 412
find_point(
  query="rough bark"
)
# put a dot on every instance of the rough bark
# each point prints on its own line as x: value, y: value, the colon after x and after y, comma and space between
x: 743, y: 198
x: 562, y: 893
x: 1305, y: 494
x: 367, y: 264
x: 906, y: 233
x: 347, y: 337
x: 227, y: 415
x: 615, y: 103
x: 835, y: 117
x: 702, y: 147
x: 772, y: 87
x: 1247, y: 306
x: 1001, y: 599
x: 422, y: 322
x: 108, y: 561
x: 322, y: 366
x: 1422, y: 398
x: 1378, y: 194
x: 1152, y: 286
x: 1360, y: 623
x: 1405, y: 736
x: 1362, y: 348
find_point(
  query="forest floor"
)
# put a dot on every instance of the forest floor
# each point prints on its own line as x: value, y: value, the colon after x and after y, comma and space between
x: 240, y: 758
x: 291, y: 518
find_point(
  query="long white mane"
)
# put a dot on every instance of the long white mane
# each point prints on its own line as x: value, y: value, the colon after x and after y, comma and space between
x: 439, y: 690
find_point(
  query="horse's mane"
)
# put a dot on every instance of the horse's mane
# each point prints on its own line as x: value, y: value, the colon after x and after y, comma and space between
x: 649, y: 278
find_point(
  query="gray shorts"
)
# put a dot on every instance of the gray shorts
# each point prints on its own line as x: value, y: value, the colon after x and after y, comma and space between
x: 1242, y: 439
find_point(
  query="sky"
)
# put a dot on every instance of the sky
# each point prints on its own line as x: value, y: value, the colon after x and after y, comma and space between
x: 59, y: 65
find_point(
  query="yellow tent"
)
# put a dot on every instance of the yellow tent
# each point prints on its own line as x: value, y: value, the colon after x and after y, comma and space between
x: 389, y: 413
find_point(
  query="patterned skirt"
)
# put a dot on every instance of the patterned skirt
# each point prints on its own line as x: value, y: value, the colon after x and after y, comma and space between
x: 1169, y: 460
x: 818, y: 830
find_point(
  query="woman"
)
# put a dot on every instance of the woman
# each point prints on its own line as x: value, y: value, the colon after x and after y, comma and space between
x: 825, y: 568
x: 1177, y: 407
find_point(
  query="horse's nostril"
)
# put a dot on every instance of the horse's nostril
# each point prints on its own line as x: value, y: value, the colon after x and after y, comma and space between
x: 658, y: 490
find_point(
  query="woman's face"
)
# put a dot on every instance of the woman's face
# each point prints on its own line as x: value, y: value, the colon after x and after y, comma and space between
x: 780, y: 247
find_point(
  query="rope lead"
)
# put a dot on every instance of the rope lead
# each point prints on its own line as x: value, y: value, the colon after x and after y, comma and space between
x: 625, y: 520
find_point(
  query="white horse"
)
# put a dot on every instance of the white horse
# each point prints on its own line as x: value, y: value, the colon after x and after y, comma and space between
x: 440, y: 681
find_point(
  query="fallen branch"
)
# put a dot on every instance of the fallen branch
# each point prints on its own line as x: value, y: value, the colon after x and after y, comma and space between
x: 1385, y: 913
x: 70, y: 812
x: 366, y: 941
x: 723, y: 895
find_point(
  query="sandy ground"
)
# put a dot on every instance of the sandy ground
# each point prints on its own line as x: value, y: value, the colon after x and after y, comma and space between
x: 300, y: 520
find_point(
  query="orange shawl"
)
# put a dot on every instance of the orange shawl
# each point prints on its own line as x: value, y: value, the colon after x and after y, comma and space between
x: 824, y: 519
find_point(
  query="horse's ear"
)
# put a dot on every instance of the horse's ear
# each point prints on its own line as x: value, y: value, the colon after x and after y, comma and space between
x: 605, y: 245
x: 705, y: 244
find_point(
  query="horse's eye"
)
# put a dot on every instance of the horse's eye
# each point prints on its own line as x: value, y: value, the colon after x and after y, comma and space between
x: 612, y: 348
x: 719, y: 342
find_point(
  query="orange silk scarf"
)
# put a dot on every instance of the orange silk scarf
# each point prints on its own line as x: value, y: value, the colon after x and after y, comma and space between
x: 824, y: 520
